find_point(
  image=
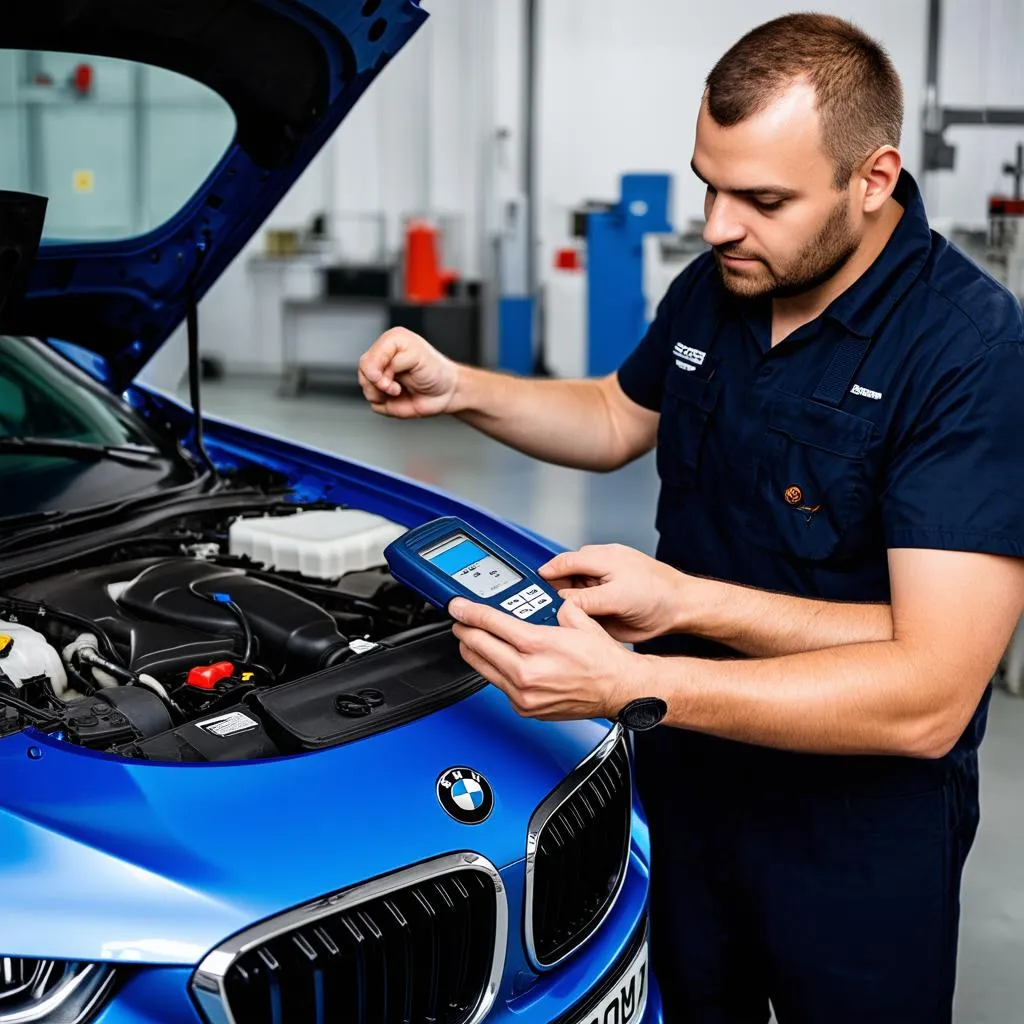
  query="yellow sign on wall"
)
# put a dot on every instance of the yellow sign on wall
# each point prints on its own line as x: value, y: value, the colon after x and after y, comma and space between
x: 83, y: 181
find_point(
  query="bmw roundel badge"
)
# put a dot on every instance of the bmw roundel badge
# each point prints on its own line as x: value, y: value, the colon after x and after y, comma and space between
x: 465, y: 794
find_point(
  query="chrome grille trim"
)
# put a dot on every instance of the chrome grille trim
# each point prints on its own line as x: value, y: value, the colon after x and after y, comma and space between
x: 209, y: 980
x: 540, y: 818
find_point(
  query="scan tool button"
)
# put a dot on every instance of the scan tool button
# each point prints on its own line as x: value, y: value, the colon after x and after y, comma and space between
x: 512, y: 603
x: 531, y: 592
x: 542, y: 602
x: 524, y: 611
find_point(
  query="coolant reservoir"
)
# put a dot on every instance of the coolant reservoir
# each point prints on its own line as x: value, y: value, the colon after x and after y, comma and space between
x: 323, y: 544
x: 25, y: 654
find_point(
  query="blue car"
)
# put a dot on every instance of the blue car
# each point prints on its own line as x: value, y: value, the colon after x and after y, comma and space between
x: 247, y: 777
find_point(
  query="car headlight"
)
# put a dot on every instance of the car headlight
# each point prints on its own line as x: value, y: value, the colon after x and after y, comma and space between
x: 51, y: 990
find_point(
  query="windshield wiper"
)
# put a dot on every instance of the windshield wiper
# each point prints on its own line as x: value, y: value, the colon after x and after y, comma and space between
x: 129, y: 454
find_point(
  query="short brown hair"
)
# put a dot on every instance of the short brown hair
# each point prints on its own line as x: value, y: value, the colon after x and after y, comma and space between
x: 859, y: 94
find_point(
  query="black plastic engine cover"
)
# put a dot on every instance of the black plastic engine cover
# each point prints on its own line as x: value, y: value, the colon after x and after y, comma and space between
x: 295, y: 635
x: 147, y: 646
x: 387, y: 687
x: 234, y: 734
x: 166, y: 627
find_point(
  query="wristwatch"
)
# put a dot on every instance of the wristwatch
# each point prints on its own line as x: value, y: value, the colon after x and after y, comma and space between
x: 642, y: 714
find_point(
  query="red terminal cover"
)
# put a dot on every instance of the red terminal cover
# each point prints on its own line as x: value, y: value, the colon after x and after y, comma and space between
x: 206, y: 677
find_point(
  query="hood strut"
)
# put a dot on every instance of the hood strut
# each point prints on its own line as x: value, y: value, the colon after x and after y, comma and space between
x: 194, y: 366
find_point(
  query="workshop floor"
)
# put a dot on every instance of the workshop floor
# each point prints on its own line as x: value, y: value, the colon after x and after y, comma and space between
x: 576, y: 508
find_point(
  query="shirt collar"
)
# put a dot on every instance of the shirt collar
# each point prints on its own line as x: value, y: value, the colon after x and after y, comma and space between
x: 863, y: 307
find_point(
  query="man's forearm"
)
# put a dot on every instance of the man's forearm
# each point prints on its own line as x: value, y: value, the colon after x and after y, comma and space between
x: 767, y: 625
x: 878, y: 698
x: 567, y: 422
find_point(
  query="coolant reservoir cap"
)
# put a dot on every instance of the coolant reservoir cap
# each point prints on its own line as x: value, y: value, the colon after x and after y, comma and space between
x: 206, y: 677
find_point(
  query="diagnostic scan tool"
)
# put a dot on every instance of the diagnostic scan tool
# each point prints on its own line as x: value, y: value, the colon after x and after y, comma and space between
x: 447, y: 558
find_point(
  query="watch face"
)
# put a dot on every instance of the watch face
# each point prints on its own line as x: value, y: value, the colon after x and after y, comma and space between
x: 643, y: 713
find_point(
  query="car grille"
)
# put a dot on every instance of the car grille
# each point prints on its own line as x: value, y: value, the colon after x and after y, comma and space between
x: 424, y: 945
x: 577, y: 853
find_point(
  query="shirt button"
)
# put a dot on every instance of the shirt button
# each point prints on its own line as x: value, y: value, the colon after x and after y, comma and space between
x: 767, y: 371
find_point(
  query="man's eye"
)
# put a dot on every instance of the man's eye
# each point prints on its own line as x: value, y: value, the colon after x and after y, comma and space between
x: 767, y: 207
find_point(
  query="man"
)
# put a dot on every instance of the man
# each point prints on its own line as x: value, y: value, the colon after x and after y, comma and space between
x: 835, y: 395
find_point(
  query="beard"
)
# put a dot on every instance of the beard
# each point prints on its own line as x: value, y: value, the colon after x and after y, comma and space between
x: 819, y: 261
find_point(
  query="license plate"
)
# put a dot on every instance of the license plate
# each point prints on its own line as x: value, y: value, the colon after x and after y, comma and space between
x: 627, y: 998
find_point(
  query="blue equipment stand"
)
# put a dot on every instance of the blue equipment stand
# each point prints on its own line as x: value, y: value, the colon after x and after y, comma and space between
x: 616, y: 313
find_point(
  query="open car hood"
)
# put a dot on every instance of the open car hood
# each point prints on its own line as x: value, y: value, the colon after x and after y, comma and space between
x: 290, y: 70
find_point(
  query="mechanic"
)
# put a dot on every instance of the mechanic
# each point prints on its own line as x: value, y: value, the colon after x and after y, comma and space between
x: 835, y: 396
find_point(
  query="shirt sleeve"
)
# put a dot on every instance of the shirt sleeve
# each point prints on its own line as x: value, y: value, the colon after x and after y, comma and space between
x: 642, y: 375
x: 956, y: 481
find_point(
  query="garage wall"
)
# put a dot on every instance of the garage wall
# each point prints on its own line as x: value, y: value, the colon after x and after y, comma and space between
x: 597, y: 122
x: 980, y: 66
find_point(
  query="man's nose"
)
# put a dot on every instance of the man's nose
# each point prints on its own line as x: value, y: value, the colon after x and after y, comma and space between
x: 722, y: 226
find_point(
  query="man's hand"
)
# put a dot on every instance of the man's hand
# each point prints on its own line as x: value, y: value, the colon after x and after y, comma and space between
x: 570, y: 671
x: 403, y: 375
x: 635, y: 597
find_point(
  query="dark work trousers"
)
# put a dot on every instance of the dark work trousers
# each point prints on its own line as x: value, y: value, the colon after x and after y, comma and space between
x: 829, y: 886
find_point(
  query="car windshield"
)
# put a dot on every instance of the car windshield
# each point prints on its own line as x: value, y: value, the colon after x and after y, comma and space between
x: 37, y: 399
x: 64, y: 446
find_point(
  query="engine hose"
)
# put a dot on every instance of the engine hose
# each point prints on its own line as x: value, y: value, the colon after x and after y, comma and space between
x: 102, y: 668
x: 336, y: 656
x: 78, y: 679
x: 46, y: 720
x: 23, y: 607
x: 104, y: 679
x: 158, y: 688
x: 90, y: 656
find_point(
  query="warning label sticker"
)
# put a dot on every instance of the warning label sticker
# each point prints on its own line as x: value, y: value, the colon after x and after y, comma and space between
x: 229, y: 725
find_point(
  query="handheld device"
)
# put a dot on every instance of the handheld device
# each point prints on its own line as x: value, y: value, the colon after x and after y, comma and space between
x: 447, y: 558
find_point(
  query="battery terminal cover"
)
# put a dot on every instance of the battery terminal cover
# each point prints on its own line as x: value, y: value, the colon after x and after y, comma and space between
x: 206, y: 677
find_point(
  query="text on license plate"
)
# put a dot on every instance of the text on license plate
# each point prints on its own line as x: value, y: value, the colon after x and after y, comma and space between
x: 627, y: 998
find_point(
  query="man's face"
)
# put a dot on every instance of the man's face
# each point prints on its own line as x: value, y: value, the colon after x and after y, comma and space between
x: 776, y: 222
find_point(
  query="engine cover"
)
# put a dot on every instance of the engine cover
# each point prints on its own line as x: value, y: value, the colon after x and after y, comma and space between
x: 162, y: 614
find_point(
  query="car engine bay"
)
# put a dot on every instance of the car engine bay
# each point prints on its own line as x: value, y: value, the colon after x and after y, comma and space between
x: 226, y: 638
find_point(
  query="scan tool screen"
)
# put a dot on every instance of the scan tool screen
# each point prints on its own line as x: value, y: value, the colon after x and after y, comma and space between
x: 476, y: 569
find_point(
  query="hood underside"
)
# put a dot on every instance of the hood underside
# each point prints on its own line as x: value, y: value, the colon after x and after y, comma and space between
x: 290, y: 72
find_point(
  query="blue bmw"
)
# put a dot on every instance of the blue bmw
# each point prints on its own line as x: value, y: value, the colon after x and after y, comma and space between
x: 246, y: 776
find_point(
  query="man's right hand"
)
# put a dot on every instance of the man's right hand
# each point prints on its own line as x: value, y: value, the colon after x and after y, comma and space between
x: 635, y: 597
x: 404, y: 376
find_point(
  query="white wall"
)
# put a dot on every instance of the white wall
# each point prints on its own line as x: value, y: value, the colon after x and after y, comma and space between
x: 621, y: 83
x: 980, y: 66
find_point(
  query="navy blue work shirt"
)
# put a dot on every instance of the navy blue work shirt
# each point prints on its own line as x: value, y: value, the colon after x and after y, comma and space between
x: 893, y: 420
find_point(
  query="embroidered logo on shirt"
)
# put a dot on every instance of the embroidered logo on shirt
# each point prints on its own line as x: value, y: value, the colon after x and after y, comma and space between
x: 866, y: 393
x: 693, y: 355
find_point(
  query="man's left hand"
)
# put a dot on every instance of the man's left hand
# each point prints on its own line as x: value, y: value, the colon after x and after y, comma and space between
x: 570, y: 671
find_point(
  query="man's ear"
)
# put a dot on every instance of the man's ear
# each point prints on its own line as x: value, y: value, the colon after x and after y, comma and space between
x: 878, y: 176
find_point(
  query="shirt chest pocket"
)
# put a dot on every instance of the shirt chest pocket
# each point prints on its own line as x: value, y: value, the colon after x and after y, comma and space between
x: 688, y: 402
x: 811, y: 478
